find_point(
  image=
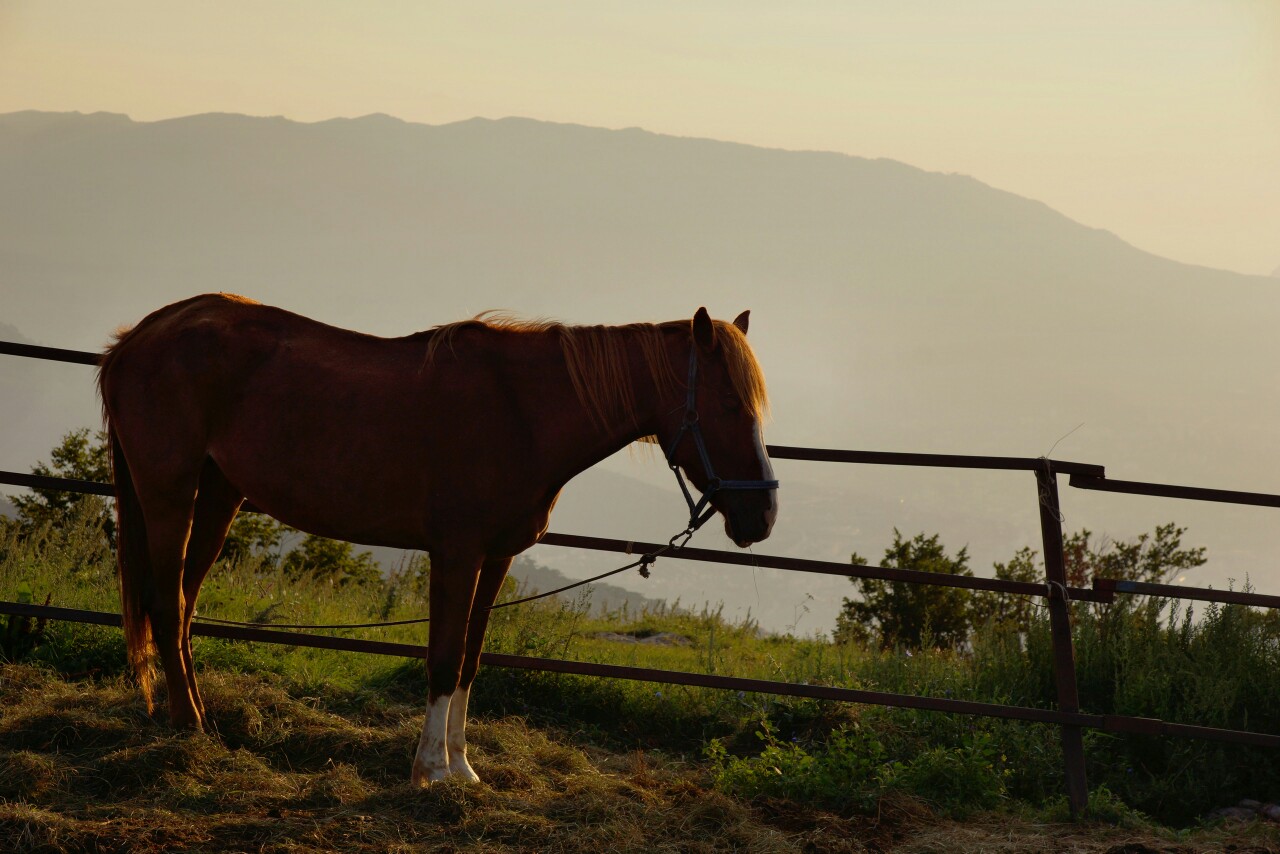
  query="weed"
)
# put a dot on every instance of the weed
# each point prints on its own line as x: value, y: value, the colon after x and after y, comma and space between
x: 1218, y: 667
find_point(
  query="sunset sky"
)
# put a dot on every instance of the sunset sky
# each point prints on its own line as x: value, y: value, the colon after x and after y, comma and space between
x: 1156, y: 119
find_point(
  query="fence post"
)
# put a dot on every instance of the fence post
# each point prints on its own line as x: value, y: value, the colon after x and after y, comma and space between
x: 1064, y: 657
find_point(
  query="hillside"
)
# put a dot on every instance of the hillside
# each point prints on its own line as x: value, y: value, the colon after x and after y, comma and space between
x: 310, y: 740
x: 601, y: 596
x: 85, y: 770
x: 893, y: 308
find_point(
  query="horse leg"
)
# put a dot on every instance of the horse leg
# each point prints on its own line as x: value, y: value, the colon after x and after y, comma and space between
x: 492, y: 574
x: 168, y: 516
x: 453, y: 587
x: 216, y: 505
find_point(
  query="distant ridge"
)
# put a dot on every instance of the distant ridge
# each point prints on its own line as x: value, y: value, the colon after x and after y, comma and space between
x: 9, y: 332
x: 893, y: 308
x: 601, y: 597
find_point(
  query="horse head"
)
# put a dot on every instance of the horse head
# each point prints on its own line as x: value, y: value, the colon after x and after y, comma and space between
x: 715, y: 437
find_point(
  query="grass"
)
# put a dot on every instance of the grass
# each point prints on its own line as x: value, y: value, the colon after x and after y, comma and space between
x: 83, y: 768
x: 312, y: 747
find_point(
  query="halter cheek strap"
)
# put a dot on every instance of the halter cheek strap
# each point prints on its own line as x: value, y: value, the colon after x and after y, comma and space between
x: 701, y: 510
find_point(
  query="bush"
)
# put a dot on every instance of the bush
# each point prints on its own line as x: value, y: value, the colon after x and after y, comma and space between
x: 848, y: 774
x: 852, y: 770
x: 909, y: 615
x: 1219, y: 666
x: 957, y: 780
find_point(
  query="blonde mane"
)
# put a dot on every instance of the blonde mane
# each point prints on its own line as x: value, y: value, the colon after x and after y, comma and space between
x: 598, y: 358
x: 744, y: 371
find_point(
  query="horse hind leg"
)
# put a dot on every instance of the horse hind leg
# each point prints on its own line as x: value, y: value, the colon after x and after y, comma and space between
x: 158, y: 480
x: 217, y: 503
x: 169, y: 517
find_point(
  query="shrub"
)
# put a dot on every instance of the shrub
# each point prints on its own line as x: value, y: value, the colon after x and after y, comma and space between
x: 848, y: 774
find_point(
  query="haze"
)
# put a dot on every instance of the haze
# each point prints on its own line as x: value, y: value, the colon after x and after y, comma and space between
x: 1158, y: 120
x: 894, y: 307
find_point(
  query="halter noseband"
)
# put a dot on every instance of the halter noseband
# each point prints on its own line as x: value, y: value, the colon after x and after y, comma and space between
x: 701, y: 510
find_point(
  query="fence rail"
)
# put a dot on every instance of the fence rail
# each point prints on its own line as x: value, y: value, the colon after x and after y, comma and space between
x: 1169, y: 490
x: 955, y: 461
x: 1102, y: 590
x: 1060, y: 596
x: 1109, y: 723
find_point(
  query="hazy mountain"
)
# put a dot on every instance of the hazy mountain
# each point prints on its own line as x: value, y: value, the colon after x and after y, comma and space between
x: 601, y: 596
x: 11, y: 333
x: 893, y: 309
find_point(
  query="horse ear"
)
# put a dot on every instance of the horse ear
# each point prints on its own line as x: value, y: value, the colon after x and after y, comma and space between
x: 742, y: 320
x: 704, y: 331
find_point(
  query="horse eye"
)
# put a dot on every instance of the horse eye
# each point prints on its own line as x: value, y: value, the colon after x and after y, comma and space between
x: 731, y: 402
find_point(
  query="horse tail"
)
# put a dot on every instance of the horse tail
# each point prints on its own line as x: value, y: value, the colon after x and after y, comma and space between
x: 133, y: 559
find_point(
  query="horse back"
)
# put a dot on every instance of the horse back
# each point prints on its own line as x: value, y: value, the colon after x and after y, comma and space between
x: 336, y: 432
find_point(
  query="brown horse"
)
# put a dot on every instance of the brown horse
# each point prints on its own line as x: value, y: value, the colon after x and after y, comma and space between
x: 455, y: 441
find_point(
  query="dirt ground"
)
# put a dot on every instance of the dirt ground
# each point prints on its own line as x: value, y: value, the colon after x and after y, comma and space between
x: 82, y: 768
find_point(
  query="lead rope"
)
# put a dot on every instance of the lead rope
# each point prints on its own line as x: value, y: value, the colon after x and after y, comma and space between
x: 644, y: 563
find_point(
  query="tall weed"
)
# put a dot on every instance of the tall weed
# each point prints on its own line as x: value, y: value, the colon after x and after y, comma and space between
x: 1216, y: 666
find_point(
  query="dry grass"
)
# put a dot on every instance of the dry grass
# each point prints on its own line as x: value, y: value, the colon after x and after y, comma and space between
x: 82, y: 768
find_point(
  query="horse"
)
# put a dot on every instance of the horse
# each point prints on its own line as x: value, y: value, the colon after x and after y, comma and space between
x: 455, y: 441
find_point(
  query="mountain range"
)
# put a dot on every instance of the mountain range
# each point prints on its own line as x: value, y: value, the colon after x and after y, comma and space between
x: 892, y: 309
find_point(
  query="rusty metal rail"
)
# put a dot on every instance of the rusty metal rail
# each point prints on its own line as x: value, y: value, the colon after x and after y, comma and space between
x: 960, y: 461
x: 1103, y: 589
x: 1169, y: 490
x: 578, y: 541
x: 49, y: 354
x: 1111, y: 723
x: 1060, y: 597
x: 1025, y: 588
x: 1112, y: 586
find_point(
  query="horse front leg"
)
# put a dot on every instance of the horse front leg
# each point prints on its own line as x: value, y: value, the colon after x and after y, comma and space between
x: 492, y: 574
x: 453, y: 589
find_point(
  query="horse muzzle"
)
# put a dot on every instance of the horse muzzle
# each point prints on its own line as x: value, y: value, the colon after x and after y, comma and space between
x: 750, y: 518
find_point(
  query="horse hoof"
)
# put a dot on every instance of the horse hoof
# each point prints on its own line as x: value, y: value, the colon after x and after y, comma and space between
x: 423, y: 776
x: 464, y: 771
x: 186, y: 723
x: 469, y: 775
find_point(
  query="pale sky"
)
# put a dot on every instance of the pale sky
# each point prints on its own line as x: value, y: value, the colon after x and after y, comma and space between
x: 1158, y: 120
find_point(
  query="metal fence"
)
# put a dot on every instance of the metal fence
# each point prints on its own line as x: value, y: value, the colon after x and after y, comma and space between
x: 1055, y: 590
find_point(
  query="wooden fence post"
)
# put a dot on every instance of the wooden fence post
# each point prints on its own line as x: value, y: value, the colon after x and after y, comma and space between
x: 1064, y: 658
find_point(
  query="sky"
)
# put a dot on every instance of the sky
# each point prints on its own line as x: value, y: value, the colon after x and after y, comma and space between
x: 1158, y: 120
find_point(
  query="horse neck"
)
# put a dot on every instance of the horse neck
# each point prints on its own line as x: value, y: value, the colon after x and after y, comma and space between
x: 583, y: 439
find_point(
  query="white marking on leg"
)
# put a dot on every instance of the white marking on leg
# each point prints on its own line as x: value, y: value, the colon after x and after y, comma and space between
x: 457, y: 736
x: 432, y: 759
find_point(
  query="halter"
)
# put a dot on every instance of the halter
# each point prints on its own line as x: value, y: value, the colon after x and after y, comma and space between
x: 701, y: 510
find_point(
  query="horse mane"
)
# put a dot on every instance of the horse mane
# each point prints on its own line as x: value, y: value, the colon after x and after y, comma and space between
x: 598, y: 359
x: 744, y: 371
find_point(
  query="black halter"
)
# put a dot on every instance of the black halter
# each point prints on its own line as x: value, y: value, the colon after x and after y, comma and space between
x: 701, y: 510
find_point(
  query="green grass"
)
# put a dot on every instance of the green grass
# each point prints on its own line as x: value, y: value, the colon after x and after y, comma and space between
x: 82, y: 768
x: 1219, y: 669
